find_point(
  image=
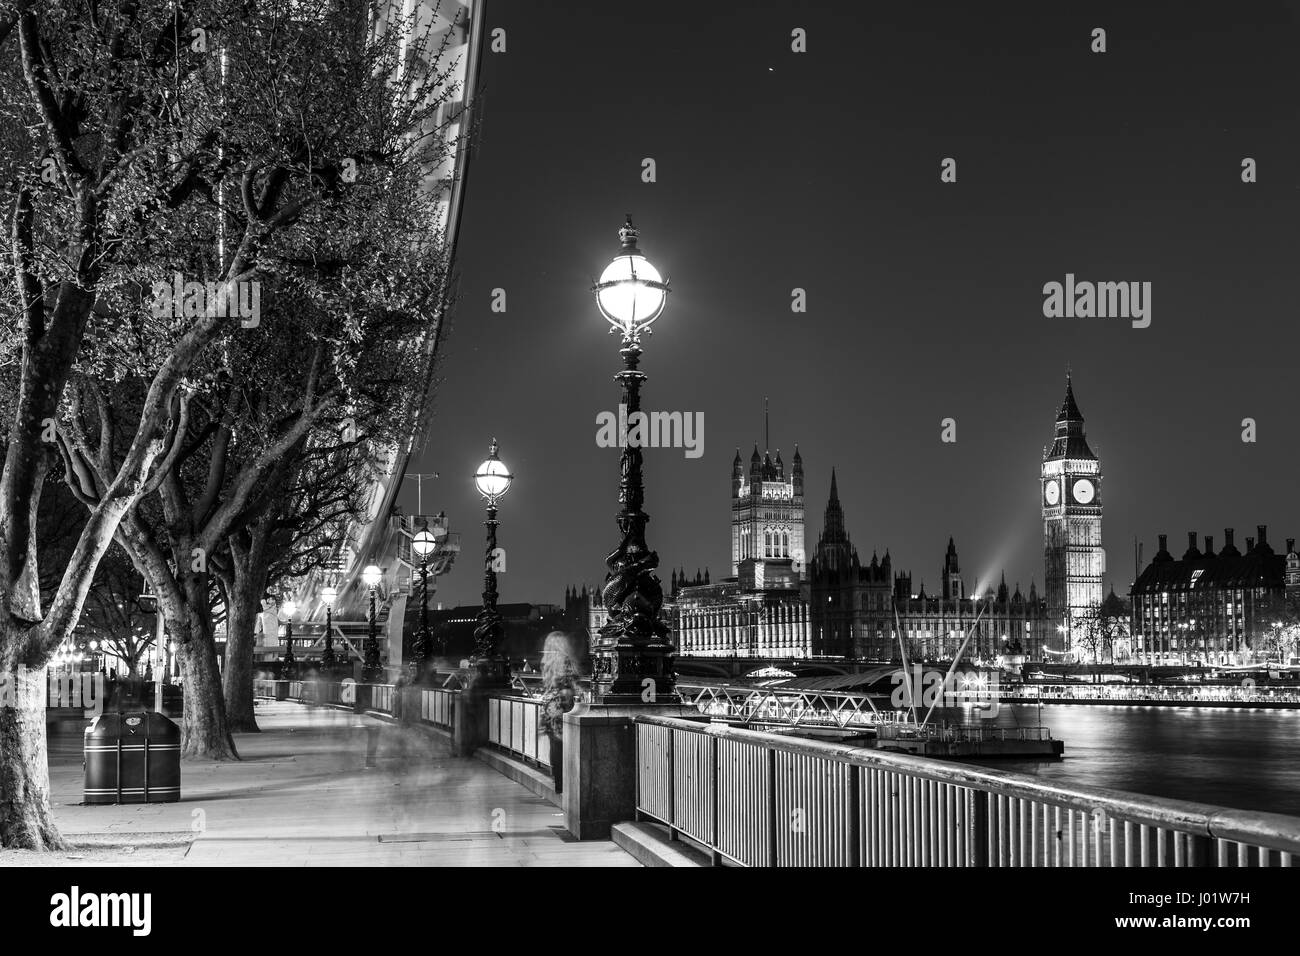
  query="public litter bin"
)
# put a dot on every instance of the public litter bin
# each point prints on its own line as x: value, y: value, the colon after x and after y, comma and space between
x: 133, y: 757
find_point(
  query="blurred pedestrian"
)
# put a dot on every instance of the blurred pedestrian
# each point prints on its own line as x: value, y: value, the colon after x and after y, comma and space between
x: 559, y: 694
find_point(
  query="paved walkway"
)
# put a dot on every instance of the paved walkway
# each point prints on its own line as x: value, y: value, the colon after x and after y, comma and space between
x: 304, y: 796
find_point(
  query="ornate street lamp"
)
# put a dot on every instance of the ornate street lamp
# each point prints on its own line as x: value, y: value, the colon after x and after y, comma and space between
x: 423, y: 544
x: 287, y: 608
x: 329, y: 594
x: 492, y: 480
x: 372, y: 672
x: 633, y: 653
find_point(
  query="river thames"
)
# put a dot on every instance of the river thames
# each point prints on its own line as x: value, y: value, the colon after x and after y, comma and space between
x: 1248, y: 759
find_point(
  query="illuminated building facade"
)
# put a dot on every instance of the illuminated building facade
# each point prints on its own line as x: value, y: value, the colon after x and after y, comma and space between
x: 762, y: 609
x: 1073, y: 558
x: 729, y: 619
x: 1215, y: 607
x: 766, y: 514
x: 853, y: 607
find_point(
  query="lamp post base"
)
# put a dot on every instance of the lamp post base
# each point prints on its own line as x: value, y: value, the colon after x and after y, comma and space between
x: 600, y: 763
x: 625, y: 673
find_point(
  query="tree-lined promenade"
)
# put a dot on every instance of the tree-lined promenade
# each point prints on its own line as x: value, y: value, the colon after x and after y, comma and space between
x: 274, y: 158
x: 355, y: 792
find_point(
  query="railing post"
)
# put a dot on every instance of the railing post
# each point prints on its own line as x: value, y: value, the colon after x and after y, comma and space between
x: 855, y: 817
x: 715, y: 802
x: 1200, y: 851
x: 978, y: 835
x: 771, y: 807
x: 671, y: 749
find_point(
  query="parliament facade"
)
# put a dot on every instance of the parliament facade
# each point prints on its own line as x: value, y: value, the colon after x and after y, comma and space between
x: 781, y: 602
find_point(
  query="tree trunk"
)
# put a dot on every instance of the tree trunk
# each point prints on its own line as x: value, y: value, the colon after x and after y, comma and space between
x: 244, y: 599
x: 25, y: 819
x: 204, y: 731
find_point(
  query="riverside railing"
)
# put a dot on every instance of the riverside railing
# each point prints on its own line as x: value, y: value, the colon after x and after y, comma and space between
x: 515, y: 726
x: 761, y: 799
x: 362, y: 697
x: 437, y: 706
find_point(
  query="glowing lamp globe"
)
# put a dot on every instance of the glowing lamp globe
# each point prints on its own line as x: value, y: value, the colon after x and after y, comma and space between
x: 371, y: 575
x: 423, y: 543
x: 493, y: 477
x: 329, y: 595
x: 289, y: 608
x: 630, y: 292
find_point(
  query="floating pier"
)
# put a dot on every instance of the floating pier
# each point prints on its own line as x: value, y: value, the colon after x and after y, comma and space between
x: 945, y: 740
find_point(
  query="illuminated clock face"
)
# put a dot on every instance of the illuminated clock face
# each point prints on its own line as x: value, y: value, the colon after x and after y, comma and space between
x: 1052, y: 492
x: 1084, y: 491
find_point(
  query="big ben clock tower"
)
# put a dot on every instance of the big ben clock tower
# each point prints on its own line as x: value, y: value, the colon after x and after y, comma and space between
x: 1072, y: 553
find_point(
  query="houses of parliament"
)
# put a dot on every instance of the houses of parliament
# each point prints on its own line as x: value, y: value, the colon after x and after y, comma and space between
x: 782, y: 602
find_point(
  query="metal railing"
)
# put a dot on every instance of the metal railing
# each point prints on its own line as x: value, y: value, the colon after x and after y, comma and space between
x: 761, y: 799
x: 515, y: 726
x: 438, y: 707
x: 317, y: 692
x: 376, y: 697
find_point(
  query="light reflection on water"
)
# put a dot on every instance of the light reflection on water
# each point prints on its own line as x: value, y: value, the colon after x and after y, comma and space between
x: 1248, y: 759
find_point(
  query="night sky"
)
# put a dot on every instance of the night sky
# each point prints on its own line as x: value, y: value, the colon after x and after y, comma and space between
x: 821, y: 170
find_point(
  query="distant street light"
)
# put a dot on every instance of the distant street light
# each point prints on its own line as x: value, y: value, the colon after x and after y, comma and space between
x: 423, y: 544
x: 633, y: 654
x: 372, y: 670
x: 329, y: 594
x: 492, y: 480
x: 288, y: 608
